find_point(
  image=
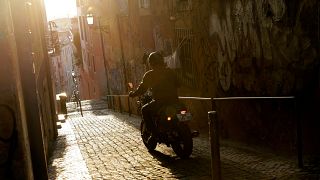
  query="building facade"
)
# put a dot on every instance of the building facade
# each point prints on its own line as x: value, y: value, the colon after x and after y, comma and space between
x: 92, y: 66
x: 220, y: 49
x: 64, y: 57
x: 28, y: 119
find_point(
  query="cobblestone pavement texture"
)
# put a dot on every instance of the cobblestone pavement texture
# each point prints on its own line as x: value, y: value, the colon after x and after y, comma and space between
x: 111, y: 148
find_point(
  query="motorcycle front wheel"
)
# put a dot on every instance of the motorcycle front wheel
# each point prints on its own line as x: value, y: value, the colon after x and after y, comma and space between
x: 148, y: 141
x: 183, y: 146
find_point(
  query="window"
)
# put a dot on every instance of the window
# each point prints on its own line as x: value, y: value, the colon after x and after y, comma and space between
x: 89, y: 89
x: 84, y: 23
x: 94, y: 64
x: 81, y: 27
x: 144, y: 3
x: 187, y: 73
x: 184, y: 5
x: 88, y: 59
x: 84, y: 2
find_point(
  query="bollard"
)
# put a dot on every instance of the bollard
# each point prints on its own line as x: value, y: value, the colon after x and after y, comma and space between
x: 214, y: 145
x: 298, y: 136
x: 63, y: 103
x: 58, y: 110
x: 80, y: 108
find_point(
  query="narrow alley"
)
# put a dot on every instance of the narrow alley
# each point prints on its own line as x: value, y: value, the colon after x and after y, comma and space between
x: 107, y: 145
x: 251, y: 67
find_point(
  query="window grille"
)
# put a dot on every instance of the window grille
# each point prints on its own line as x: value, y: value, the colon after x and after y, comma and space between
x: 144, y: 3
x: 84, y: 2
x: 184, y: 5
x: 184, y: 42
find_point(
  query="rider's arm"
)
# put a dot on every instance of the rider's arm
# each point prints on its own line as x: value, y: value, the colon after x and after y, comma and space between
x: 143, y: 86
x: 140, y: 90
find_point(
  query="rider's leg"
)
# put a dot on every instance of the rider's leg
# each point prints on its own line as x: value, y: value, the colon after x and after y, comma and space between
x: 147, y: 113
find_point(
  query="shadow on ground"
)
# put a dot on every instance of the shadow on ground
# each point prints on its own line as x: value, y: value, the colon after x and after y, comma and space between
x: 181, y: 167
x: 59, y: 147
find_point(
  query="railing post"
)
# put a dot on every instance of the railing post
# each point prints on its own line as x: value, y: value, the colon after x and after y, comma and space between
x: 214, y: 145
x: 109, y: 102
x: 113, y: 103
x: 129, y: 108
x: 80, y: 108
x: 120, y: 106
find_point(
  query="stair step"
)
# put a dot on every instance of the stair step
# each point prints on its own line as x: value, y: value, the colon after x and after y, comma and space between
x: 59, y: 125
x: 62, y: 118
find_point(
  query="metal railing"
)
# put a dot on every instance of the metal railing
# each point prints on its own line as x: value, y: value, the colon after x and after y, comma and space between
x: 214, y: 130
x: 213, y: 122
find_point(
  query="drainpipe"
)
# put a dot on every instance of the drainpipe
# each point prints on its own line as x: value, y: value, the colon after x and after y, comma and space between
x: 123, y: 64
x: 122, y: 55
x: 103, y: 55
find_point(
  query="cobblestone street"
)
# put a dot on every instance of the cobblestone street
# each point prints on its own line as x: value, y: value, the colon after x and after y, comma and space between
x: 107, y: 145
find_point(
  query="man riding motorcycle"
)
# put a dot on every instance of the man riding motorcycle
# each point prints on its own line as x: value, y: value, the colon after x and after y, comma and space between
x: 163, y: 84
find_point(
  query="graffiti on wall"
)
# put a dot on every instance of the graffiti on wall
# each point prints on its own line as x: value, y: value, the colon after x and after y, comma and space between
x: 116, y: 80
x: 258, y: 48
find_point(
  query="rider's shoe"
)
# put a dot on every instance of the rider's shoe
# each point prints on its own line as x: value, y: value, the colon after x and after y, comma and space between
x: 153, y: 136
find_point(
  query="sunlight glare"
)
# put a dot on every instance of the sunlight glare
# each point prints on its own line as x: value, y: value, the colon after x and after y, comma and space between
x: 56, y: 9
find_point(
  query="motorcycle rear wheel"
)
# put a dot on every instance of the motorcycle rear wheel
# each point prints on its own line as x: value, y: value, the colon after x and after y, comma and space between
x: 148, y: 141
x: 183, y: 147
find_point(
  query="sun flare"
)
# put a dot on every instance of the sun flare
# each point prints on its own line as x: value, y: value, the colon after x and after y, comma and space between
x: 60, y: 8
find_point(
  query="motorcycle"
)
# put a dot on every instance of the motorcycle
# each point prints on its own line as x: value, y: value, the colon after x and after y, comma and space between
x: 171, y: 122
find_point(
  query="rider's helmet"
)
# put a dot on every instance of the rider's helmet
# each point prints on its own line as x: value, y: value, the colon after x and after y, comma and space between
x: 156, y: 59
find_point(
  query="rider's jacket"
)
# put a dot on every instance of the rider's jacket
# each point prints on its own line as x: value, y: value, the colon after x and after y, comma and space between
x: 162, y: 83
